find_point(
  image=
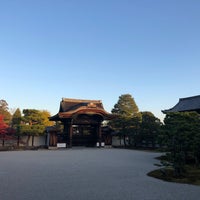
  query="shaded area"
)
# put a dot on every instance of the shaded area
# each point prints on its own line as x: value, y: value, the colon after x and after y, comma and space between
x: 192, y: 176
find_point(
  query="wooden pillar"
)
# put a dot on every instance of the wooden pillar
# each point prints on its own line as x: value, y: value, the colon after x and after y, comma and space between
x: 70, y: 134
x: 99, y: 134
x: 68, y: 130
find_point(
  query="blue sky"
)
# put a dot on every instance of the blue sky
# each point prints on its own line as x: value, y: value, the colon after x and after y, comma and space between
x: 99, y: 49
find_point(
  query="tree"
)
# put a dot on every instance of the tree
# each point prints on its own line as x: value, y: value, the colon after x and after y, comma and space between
x: 125, y: 106
x: 149, y: 128
x: 3, y: 126
x: 34, y: 123
x: 128, y: 118
x: 32, y: 116
x: 16, y: 118
x: 3, y: 105
x: 3, y: 129
x: 16, y: 121
x: 181, y: 134
x: 4, y: 111
x: 45, y: 118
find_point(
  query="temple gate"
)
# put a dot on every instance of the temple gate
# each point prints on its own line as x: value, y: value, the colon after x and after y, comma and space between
x: 82, y: 120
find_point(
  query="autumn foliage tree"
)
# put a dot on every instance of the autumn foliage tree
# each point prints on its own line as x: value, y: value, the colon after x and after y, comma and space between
x: 3, y: 126
x: 6, y: 132
x: 3, y: 129
x: 4, y: 111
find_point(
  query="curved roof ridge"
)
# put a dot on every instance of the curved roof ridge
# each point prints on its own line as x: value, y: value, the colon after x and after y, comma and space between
x: 69, y: 107
x: 80, y: 100
x: 192, y: 97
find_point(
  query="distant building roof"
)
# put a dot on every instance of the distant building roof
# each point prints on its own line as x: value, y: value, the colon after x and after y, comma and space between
x: 71, y: 107
x: 186, y: 104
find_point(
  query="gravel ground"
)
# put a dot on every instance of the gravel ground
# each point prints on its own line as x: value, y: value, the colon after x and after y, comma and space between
x: 85, y: 174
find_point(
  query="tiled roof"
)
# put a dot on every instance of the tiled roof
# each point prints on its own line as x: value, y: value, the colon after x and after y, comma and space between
x: 186, y: 104
x: 67, y: 104
x: 72, y: 107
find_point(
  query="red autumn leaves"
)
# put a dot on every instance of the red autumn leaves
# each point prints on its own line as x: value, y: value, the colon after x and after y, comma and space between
x: 3, y: 126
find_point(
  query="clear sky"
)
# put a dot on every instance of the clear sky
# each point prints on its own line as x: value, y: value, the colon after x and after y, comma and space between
x: 99, y: 49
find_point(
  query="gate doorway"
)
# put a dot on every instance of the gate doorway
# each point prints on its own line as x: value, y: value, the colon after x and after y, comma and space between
x: 84, y: 135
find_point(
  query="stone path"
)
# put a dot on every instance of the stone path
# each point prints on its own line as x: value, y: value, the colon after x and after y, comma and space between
x: 85, y: 174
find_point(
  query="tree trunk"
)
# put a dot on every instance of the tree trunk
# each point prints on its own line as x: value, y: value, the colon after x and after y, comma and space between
x: 120, y: 142
x: 3, y: 140
x: 125, y: 140
x: 32, y: 140
x: 18, y: 138
x: 27, y: 141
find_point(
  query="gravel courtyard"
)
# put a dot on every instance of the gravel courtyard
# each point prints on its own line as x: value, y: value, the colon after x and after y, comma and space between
x: 85, y: 174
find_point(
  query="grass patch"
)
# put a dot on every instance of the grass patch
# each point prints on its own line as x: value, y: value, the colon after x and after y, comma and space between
x: 190, y: 176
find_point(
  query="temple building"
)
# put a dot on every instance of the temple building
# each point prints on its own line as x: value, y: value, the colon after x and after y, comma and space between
x: 186, y: 105
x: 81, y: 121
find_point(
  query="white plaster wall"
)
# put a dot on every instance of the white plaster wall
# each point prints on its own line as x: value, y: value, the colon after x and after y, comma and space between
x: 38, y: 140
x: 116, y: 141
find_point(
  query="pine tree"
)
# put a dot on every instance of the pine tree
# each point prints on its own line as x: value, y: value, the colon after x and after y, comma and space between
x: 181, y: 135
x: 125, y: 106
x: 128, y: 120
x: 17, y: 117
